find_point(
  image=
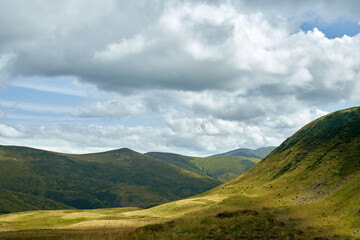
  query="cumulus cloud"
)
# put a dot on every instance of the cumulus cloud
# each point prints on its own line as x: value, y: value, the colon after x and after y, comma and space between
x: 10, y: 132
x: 220, y: 73
x: 122, y: 49
x: 183, y: 133
x: 191, y: 47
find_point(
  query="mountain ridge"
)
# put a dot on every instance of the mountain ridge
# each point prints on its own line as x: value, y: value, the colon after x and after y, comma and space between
x: 119, y: 177
x: 114, y: 178
x: 222, y: 168
x: 246, y: 152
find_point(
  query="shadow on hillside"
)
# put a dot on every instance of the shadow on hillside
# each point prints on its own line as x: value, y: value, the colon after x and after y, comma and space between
x: 231, y: 223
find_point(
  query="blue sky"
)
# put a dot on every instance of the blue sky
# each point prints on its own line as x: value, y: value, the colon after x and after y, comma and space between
x: 335, y: 28
x: 192, y: 77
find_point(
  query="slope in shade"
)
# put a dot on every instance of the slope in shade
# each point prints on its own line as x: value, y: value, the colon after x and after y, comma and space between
x: 110, y: 179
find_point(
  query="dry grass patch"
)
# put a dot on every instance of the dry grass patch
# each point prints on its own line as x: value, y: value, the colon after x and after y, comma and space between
x: 120, y: 223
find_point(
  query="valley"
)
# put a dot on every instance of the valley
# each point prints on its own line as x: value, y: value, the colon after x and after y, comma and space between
x: 33, y: 179
x: 307, y: 188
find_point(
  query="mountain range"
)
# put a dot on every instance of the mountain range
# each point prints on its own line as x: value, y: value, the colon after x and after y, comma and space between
x: 37, y: 179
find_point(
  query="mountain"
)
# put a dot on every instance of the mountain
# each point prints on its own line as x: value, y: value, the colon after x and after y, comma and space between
x: 307, y: 188
x: 316, y: 172
x: 324, y: 152
x: 37, y: 179
x: 222, y: 168
x: 245, y: 152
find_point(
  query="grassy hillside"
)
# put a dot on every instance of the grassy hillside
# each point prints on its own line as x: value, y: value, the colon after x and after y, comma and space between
x: 222, y: 168
x: 249, y: 153
x: 317, y: 170
x: 307, y: 188
x: 35, y: 179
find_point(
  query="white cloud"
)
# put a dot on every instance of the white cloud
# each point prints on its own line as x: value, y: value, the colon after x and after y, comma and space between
x: 183, y: 133
x: 221, y: 74
x: 122, y: 49
x: 10, y: 132
x: 116, y: 108
x: 5, y: 59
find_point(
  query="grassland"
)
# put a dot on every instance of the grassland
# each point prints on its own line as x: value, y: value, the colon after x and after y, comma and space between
x: 234, y: 216
x: 307, y: 188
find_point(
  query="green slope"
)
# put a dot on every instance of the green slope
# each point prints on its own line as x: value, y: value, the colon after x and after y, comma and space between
x: 317, y: 170
x: 222, y: 168
x: 11, y: 201
x: 111, y: 179
x: 250, y: 153
x: 307, y: 188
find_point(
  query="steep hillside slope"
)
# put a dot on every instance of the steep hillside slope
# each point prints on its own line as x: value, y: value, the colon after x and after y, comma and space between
x: 222, y: 168
x: 36, y: 179
x: 318, y: 169
x: 245, y: 152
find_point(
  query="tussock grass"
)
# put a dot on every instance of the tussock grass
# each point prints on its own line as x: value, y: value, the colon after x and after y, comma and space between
x: 232, y: 223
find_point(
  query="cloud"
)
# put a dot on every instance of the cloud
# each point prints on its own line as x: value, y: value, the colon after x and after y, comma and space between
x: 58, y: 85
x: 115, y: 109
x: 183, y: 133
x: 221, y: 74
x: 122, y: 49
x: 10, y: 132
x: 5, y: 60
x: 190, y: 47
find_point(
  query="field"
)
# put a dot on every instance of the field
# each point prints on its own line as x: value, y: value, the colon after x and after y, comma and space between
x: 214, y: 216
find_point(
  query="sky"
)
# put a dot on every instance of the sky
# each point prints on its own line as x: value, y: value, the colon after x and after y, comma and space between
x: 190, y: 77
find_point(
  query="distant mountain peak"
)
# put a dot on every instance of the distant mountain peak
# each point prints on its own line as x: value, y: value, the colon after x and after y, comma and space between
x: 246, y: 152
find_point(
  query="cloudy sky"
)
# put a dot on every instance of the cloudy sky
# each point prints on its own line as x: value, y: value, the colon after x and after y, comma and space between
x: 192, y: 77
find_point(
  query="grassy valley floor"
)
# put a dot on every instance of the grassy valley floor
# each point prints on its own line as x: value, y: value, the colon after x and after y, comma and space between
x: 235, y: 216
